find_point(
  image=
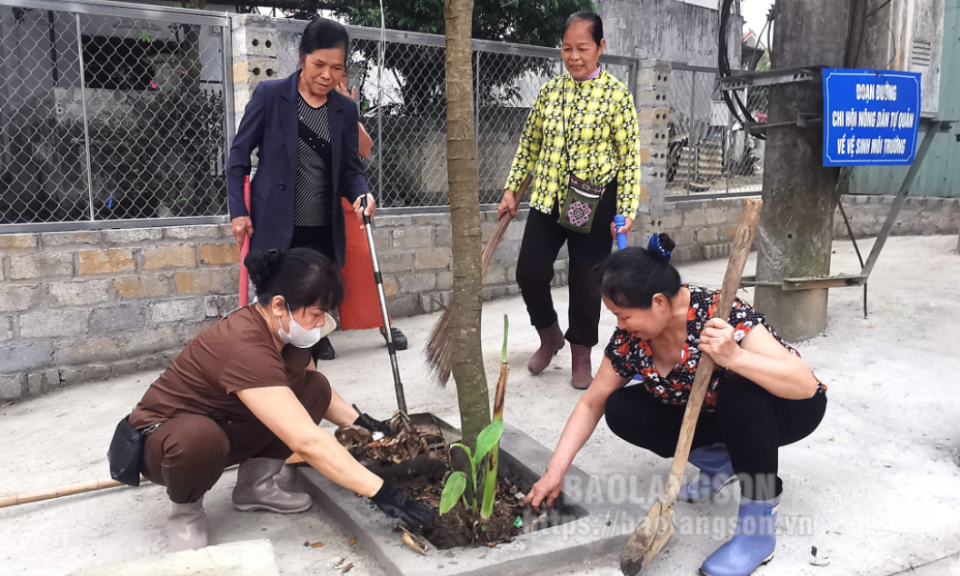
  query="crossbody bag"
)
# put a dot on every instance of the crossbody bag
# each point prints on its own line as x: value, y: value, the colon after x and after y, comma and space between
x: 580, y: 205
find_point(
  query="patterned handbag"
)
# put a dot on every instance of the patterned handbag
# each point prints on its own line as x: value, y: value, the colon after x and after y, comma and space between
x: 580, y: 205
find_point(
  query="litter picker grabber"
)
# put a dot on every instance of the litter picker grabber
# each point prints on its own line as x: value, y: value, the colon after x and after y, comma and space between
x: 245, y: 249
x: 397, y: 384
x: 656, y: 529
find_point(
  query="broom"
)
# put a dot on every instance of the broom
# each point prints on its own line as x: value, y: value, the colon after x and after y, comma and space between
x: 438, y: 350
x: 59, y: 492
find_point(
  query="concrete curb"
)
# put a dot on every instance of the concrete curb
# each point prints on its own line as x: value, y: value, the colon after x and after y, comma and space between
x: 592, y: 533
x: 247, y: 558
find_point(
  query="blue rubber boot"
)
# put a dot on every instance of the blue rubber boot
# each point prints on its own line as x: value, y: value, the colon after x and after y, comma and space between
x: 752, y: 543
x: 716, y: 471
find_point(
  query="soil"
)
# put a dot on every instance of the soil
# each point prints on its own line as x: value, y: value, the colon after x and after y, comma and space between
x: 422, y: 479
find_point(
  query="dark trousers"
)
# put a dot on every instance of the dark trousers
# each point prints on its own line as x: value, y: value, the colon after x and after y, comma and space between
x: 319, y: 238
x: 543, y: 238
x: 188, y: 453
x: 752, y: 422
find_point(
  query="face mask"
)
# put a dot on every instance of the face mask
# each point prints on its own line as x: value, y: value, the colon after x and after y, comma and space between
x: 298, y: 335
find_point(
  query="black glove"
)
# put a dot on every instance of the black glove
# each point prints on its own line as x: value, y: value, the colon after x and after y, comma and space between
x: 372, y: 424
x: 410, y: 512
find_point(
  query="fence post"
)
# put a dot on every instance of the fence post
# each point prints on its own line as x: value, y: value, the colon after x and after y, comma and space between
x: 229, y: 126
x: 693, y: 142
x: 476, y: 113
x: 86, y: 122
x: 255, y: 54
x: 653, y: 114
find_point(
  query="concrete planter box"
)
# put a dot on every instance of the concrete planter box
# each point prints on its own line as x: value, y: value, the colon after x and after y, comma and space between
x: 586, y: 531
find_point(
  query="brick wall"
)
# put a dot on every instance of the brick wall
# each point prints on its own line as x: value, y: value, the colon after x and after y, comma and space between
x: 83, y: 306
x: 80, y: 306
x: 415, y: 258
x: 703, y: 229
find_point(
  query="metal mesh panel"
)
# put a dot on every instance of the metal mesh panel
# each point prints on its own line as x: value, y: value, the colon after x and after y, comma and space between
x: 111, y: 115
x: 709, y: 152
x: 43, y: 173
x: 508, y: 85
x: 156, y: 118
x: 105, y: 117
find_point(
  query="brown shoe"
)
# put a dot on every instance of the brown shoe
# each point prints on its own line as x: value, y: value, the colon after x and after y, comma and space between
x: 582, y: 371
x: 551, y: 341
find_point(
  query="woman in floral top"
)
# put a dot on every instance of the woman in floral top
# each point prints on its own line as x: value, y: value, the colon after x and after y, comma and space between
x: 761, y: 396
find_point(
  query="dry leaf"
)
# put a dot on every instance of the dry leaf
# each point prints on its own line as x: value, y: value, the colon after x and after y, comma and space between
x: 416, y: 538
x: 347, y: 568
x: 407, y: 443
x: 411, y: 543
x: 316, y: 544
x: 353, y: 541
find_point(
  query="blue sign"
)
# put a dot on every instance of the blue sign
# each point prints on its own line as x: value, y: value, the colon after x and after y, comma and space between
x: 870, y: 117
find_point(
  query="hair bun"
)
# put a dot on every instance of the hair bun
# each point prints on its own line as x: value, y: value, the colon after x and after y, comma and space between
x: 261, y: 265
x: 661, y: 245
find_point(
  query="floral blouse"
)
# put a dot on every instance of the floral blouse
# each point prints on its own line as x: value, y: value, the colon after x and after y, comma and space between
x: 631, y: 357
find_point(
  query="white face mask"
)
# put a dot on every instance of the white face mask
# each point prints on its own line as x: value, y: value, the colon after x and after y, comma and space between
x: 298, y: 335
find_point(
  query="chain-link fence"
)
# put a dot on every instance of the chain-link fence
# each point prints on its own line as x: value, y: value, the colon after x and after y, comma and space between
x: 709, y: 152
x: 408, y: 164
x: 110, y: 113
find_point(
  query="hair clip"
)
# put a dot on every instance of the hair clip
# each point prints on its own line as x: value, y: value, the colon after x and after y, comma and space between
x: 655, y: 247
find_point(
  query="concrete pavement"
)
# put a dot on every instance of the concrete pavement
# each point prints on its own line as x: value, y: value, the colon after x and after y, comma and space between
x: 875, y: 489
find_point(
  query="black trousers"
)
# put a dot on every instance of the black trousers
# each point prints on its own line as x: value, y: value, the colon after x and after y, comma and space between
x: 752, y: 422
x: 542, y: 239
x: 319, y: 238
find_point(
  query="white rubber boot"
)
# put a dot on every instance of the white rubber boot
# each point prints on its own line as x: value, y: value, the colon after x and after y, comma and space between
x: 187, y: 526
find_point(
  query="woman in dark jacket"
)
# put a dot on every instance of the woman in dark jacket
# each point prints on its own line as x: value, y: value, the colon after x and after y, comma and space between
x: 307, y: 138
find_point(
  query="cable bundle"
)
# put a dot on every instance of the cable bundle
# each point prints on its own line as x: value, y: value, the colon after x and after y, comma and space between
x: 736, y: 105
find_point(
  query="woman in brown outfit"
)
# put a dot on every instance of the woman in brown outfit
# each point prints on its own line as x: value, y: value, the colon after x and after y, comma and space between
x: 245, y: 391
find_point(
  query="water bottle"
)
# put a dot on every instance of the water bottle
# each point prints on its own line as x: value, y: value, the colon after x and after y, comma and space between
x: 620, y: 222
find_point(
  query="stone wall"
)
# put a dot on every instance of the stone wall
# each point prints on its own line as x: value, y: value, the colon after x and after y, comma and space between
x: 81, y: 306
x: 703, y: 229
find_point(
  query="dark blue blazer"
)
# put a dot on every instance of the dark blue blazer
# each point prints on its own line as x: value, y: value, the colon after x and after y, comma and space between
x: 270, y: 123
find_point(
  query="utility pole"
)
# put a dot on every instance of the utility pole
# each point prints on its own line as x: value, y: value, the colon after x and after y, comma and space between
x: 796, y: 227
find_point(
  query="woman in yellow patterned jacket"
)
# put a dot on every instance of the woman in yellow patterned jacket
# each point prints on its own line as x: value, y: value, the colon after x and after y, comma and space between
x: 581, y: 144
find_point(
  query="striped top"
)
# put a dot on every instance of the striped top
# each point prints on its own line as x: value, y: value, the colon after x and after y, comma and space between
x: 312, y: 202
x: 588, y: 129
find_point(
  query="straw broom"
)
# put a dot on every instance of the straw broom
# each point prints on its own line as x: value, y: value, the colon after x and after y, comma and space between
x: 438, y: 350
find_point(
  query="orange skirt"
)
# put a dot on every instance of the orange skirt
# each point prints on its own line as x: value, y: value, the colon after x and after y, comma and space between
x: 361, y: 304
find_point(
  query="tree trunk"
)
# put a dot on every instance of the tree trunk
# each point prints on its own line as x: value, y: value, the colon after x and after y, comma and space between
x: 467, y: 298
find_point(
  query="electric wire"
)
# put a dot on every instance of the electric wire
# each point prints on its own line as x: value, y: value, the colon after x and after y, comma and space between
x: 732, y: 98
